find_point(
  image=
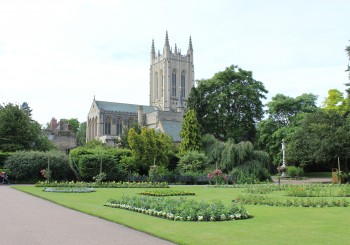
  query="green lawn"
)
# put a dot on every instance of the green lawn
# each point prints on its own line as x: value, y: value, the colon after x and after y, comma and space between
x: 270, y: 225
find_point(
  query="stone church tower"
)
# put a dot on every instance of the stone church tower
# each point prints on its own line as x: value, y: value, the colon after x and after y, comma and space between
x: 171, y: 77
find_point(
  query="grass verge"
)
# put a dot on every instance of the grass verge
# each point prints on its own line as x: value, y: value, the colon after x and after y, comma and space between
x: 270, y: 225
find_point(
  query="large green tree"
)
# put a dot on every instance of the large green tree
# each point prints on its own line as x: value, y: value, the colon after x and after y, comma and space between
x: 19, y: 132
x: 190, y: 133
x: 284, y: 115
x: 322, y: 137
x: 229, y: 104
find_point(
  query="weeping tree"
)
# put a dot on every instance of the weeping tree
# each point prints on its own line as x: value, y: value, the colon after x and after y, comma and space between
x: 240, y: 160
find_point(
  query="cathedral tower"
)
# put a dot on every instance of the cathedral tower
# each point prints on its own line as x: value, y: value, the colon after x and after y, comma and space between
x: 171, y: 77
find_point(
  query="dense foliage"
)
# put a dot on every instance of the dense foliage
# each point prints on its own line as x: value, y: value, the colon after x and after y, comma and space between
x: 150, y: 148
x: 229, y: 104
x: 322, y: 137
x: 193, y: 161
x: 90, y: 161
x: 284, y: 114
x: 19, y: 132
x: 26, y: 166
x: 190, y: 133
x: 240, y: 160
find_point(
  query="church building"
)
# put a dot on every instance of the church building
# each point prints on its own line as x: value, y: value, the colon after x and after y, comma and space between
x: 171, y: 80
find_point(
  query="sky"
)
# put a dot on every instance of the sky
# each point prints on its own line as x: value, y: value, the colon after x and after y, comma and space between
x: 58, y: 55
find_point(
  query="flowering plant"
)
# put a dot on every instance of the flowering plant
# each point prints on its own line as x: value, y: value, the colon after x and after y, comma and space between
x: 218, y: 176
x: 46, y: 173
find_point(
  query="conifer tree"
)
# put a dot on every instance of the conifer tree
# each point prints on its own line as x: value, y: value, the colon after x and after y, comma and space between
x: 190, y: 133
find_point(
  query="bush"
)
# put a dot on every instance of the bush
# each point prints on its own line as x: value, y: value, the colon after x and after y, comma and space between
x: 86, y: 162
x: 193, y: 161
x: 293, y: 171
x: 26, y: 165
x: 3, y: 157
x: 250, y: 173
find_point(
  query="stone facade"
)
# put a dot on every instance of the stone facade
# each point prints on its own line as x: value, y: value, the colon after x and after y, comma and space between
x: 61, y: 135
x: 171, y: 77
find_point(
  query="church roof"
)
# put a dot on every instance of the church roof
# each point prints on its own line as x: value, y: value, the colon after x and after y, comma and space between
x: 122, y: 107
x: 172, y: 128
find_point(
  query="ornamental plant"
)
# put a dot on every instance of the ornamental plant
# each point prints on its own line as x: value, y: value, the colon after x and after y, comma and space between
x: 46, y: 173
x: 181, y: 209
x: 218, y: 177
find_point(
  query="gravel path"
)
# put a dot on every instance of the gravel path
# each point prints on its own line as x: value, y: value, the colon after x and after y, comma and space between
x: 29, y: 220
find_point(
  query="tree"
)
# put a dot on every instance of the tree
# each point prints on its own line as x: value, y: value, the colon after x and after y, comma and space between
x: 321, y: 139
x: 336, y: 101
x: 282, y: 109
x: 190, y: 133
x: 81, y: 134
x: 241, y: 160
x: 149, y: 148
x: 74, y: 123
x: 284, y: 116
x: 19, y: 132
x: 229, y: 104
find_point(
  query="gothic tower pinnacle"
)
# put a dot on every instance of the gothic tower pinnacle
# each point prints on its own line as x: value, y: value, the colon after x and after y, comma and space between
x: 171, y: 77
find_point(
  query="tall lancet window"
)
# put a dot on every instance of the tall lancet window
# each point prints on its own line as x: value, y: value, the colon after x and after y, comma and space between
x: 183, y: 84
x: 173, y: 84
x: 156, y: 86
x: 119, y: 126
x: 107, y: 125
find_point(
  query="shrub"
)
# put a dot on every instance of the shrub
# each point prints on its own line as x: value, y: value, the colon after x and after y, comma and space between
x: 87, y: 162
x: 293, y: 171
x: 26, y: 165
x: 3, y: 157
x: 193, y: 161
x: 251, y: 172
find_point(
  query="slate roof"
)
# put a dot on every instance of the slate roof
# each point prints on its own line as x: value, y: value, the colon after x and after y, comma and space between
x: 122, y: 107
x: 173, y: 129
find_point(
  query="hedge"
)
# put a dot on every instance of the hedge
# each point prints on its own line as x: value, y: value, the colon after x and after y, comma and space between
x: 86, y: 162
x: 26, y: 165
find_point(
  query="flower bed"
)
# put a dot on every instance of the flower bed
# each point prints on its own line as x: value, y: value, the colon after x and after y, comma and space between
x: 111, y: 184
x: 318, y: 191
x: 163, y: 193
x: 252, y: 199
x: 180, y: 209
x: 69, y: 189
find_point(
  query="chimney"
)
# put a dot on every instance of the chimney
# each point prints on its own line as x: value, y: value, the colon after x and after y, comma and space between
x: 53, y: 123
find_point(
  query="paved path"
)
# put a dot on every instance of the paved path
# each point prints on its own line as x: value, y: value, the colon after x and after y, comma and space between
x: 29, y: 220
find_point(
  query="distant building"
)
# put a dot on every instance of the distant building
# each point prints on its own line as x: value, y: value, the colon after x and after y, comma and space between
x: 171, y: 79
x: 61, y: 135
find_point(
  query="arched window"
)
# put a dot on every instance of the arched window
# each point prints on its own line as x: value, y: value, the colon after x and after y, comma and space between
x: 119, y: 126
x: 183, y: 84
x: 107, y: 126
x: 173, y: 84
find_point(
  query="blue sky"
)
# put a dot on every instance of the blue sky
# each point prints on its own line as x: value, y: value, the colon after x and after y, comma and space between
x: 58, y: 55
